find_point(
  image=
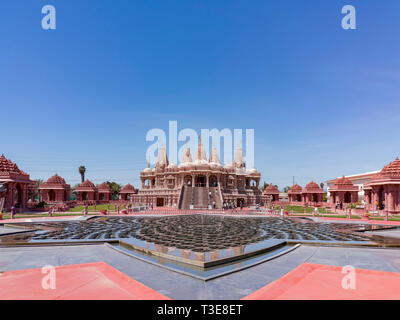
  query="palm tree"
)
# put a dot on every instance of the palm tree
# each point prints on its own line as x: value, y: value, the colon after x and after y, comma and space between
x: 37, y: 193
x: 82, y: 170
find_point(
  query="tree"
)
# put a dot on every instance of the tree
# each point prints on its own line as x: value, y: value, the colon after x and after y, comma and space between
x: 286, y: 189
x: 322, y: 185
x: 36, y: 191
x: 115, y: 188
x: 264, y: 186
x: 82, y: 170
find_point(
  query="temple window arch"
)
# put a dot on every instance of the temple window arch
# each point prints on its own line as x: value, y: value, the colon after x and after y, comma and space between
x: 187, y: 180
x: 200, y: 181
x: 213, y: 181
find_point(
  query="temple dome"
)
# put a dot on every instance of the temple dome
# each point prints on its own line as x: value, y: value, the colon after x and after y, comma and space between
x: 172, y: 166
x: 312, y: 187
x: 104, y: 187
x: 343, y: 181
x: 56, y: 179
x: 391, y: 170
x: 228, y: 166
x: 8, y: 166
x: 128, y: 188
x: 87, y: 184
x: 148, y: 169
x: 271, y: 190
x: 295, y: 189
x: 389, y: 174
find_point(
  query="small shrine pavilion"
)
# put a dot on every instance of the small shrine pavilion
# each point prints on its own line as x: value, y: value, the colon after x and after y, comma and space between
x: 55, y: 190
x: 126, y: 192
x: 295, y: 193
x: 272, y: 192
x: 104, y: 192
x: 312, y: 193
x: 14, y: 184
x: 383, y: 191
x: 86, y: 191
x: 343, y: 191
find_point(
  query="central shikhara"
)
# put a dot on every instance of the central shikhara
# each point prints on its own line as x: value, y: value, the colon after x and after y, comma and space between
x: 200, y: 183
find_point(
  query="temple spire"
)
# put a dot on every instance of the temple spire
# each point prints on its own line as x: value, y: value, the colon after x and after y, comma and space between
x: 162, y: 160
x: 214, y: 158
x: 238, y: 161
x: 186, y: 157
x: 201, y: 154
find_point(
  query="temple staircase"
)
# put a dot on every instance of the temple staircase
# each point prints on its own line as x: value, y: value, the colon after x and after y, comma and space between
x: 200, y: 198
x: 186, y: 198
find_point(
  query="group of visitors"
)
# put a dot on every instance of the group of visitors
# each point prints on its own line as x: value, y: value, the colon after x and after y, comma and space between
x: 231, y: 205
x: 339, y: 205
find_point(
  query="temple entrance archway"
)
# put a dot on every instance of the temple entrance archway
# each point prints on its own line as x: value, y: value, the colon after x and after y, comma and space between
x: 213, y: 181
x: 160, y: 202
x: 200, y: 181
x: 52, y: 195
x: 18, y: 196
x: 239, y: 201
x: 188, y: 181
x: 298, y: 197
x: 347, y: 197
x: 381, y: 198
x: 314, y: 197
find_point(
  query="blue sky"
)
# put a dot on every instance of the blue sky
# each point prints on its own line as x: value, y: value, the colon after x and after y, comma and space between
x: 323, y: 101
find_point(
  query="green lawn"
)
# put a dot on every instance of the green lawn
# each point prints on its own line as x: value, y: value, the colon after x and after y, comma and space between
x: 98, y: 208
x: 300, y: 209
x: 76, y: 211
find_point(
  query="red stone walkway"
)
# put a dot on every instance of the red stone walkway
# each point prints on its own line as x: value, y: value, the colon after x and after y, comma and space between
x: 322, y: 282
x: 92, y: 281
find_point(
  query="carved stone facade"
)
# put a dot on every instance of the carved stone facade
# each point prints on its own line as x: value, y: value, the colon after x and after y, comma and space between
x: 383, y: 191
x: 14, y: 185
x: 55, y: 190
x: 343, y: 191
x: 200, y: 183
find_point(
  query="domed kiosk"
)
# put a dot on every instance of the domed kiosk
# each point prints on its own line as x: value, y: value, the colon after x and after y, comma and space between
x: 14, y: 185
x: 55, y: 190
x: 383, y: 191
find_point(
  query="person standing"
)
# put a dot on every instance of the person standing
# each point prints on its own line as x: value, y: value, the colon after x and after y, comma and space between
x: 12, y: 212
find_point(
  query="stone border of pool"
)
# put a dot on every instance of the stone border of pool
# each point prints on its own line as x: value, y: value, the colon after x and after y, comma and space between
x: 207, y: 278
